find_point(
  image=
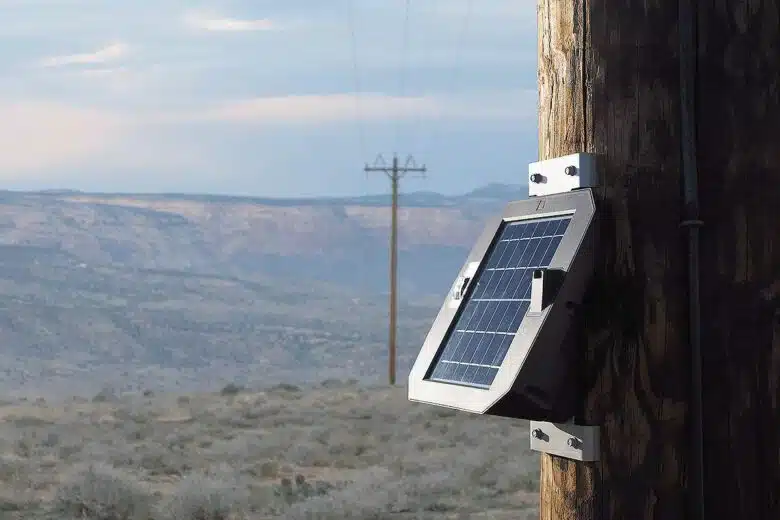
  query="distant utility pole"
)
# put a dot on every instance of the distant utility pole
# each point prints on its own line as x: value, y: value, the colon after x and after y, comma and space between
x: 394, y: 173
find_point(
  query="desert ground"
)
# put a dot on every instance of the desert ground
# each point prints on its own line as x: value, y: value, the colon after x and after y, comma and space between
x: 337, y: 450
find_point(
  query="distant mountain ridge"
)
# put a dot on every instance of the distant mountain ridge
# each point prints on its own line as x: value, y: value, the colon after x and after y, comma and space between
x: 339, y: 239
x: 173, y: 287
x: 494, y: 192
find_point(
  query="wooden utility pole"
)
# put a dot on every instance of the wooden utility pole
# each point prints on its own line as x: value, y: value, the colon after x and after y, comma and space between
x: 394, y: 172
x: 615, y: 80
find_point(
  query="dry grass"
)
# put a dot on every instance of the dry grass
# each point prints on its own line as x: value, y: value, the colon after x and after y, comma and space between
x: 334, y: 452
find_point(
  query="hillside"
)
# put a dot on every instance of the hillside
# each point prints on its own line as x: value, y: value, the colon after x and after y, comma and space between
x: 338, y: 240
x: 332, y: 452
x: 188, y: 292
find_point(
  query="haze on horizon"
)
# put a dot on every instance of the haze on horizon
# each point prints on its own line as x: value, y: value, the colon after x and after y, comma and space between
x: 257, y: 97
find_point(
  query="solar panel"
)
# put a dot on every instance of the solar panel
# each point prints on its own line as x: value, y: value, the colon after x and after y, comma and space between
x: 499, y: 298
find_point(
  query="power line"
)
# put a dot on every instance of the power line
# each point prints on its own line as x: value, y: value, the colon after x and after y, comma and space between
x: 403, y: 65
x: 425, y: 47
x: 452, y: 83
x: 395, y: 173
x: 403, y: 62
x: 456, y: 70
x: 356, y: 77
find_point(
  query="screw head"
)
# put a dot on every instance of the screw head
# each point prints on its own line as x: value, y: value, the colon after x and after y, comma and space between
x: 572, y: 442
x: 537, y: 433
x: 537, y: 178
x: 571, y: 171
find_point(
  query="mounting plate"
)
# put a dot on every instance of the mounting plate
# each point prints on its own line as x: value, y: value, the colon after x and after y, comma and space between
x: 569, y: 440
x: 562, y: 174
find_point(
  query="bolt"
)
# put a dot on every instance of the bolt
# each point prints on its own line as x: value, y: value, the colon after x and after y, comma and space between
x: 537, y: 178
x: 537, y: 433
x: 573, y: 442
x: 571, y: 171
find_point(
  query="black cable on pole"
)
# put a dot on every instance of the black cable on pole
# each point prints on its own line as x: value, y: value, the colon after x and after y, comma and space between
x: 688, y: 60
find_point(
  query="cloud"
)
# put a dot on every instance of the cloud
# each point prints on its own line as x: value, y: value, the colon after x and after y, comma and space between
x: 123, y: 81
x: 315, y: 108
x: 205, y: 22
x: 47, y: 135
x: 49, y: 141
x: 308, y: 109
x: 495, y: 9
x: 107, y: 54
x: 38, y: 135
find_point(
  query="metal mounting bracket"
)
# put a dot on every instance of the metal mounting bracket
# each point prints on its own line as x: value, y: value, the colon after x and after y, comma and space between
x: 569, y: 440
x: 562, y: 174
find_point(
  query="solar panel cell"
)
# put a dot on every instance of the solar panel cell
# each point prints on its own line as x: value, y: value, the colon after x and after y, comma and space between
x: 498, y: 301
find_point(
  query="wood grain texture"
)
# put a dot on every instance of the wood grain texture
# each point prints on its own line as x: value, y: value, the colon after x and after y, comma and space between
x: 609, y: 82
x: 739, y: 159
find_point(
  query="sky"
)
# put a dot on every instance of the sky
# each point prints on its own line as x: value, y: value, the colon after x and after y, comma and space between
x: 274, y: 98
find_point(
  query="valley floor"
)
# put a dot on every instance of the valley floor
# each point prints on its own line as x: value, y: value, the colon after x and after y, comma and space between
x: 332, y: 452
